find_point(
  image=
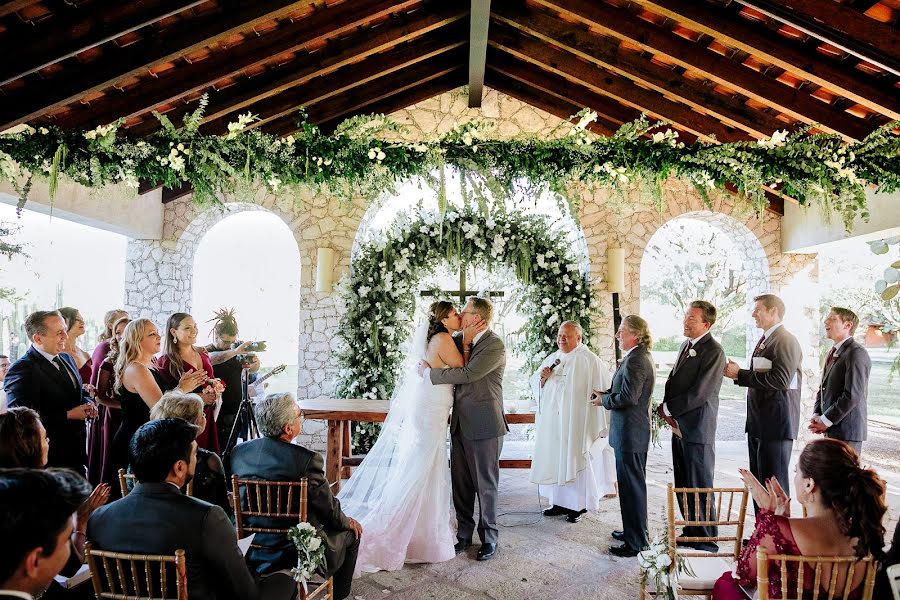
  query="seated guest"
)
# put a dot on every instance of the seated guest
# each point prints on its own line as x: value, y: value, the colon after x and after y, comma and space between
x: 844, y: 506
x: 891, y: 558
x: 156, y: 518
x: 36, y: 508
x: 47, y: 380
x: 209, y: 476
x: 275, y: 458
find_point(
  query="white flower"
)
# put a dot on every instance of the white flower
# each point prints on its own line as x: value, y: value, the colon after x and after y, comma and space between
x: 90, y: 135
x: 326, y: 162
x: 289, y: 140
x: 692, y: 353
x: 314, y: 544
x: 274, y: 182
x: 44, y: 130
x: 364, y: 291
x: 663, y: 561
x: 235, y: 128
x: 553, y: 320
x: 420, y: 147
x: 467, y: 139
x: 778, y: 138
x: 376, y: 154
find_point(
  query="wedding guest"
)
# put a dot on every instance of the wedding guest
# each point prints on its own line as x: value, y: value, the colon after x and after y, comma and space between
x: 844, y: 506
x: 36, y: 525
x: 773, y: 395
x: 138, y: 385
x: 4, y: 367
x: 275, y: 458
x: 891, y: 558
x: 109, y: 409
x: 183, y: 356
x: 691, y: 406
x: 209, y: 477
x: 629, y: 433
x: 573, y: 464
x: 156, y: 518
x: 75, y: 323
x: 104, y: 339
x: 840, y: 411
x: 47, y: 380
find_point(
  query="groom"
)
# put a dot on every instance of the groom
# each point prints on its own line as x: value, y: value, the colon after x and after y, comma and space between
x: 477, y: 426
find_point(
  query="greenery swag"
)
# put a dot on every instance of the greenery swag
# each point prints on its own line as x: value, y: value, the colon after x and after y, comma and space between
x: 367, y: 155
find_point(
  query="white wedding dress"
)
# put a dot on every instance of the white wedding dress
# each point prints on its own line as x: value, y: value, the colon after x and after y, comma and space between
x: 400, y: 493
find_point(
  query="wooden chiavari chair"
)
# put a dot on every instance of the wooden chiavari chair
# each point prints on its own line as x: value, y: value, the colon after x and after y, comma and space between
x: 833, y: 576
x: 276, y: 500
x: 119, y: 576
x: 127, y: 481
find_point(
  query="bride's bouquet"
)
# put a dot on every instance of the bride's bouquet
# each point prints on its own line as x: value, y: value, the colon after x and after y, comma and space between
x: 310, y: 551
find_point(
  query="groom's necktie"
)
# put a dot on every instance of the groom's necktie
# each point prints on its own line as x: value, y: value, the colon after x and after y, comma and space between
x: 684, y: 353
x: 759, y: 345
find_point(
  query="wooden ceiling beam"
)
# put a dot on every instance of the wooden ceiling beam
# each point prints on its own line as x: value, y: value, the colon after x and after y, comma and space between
x: 11, y: 6
x: 479, y: 21
x: 436, y: 53
x: 73, y: 82
x: 190, y: 79
x: 839, y: 25
x: 695, y: 57
x: 348, y: 51
x: 624, y: 90
x: 665, y: 80
x: 778, y: 50
x: 86, y: 28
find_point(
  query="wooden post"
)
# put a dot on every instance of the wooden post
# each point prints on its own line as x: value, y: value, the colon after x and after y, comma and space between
x: 347, y: 449
x: 334, y: 460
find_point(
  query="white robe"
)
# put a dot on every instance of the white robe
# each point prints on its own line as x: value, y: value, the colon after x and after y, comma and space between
x: 573, y: 464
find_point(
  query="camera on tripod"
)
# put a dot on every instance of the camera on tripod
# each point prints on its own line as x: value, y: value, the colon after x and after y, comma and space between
x: 246, y: 358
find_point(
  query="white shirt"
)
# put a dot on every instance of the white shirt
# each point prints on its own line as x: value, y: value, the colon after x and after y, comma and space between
x: 837, y: 345
x: 478, y: 337
x: 771, y: 330
x: 46, y: 355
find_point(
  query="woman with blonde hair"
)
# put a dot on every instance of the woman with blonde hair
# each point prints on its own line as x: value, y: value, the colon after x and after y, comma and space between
x: 209, y: 477
x: 104, y: 340
x: 138, y: 386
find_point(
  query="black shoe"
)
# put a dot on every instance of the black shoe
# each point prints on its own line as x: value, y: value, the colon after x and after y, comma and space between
x: 618, y: 535
x: 461, y: 546
x: 706, y: 546
x: 555, y: 511
x: 486, y: 552
x: 624, y: 551
x: 575, y: 515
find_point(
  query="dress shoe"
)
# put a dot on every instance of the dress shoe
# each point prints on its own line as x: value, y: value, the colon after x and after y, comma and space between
x: 618, y: 535
x: 702, y: 546
x: 486, y: 552
x: 461, y: 546
x: 575, y: 515
x: 555, y: 511
x: 623, y: 551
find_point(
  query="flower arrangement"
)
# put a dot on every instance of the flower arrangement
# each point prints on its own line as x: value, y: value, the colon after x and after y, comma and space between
x: 656, y: 566
x: 214, y: 386
x: 310, y: 551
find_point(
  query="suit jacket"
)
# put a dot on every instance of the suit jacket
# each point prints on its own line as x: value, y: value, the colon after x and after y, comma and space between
x: 842, y: 396
x: 629, y: 401
x: 35, y: 382
x: 773, y: 410
x: 692, y: 390
x: 271, y: 459
x: 478, y: 399
x: 155, y: 518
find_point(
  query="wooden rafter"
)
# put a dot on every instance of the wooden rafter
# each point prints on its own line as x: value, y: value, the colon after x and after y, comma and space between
x: 11, y: 6
x: 775, y: 49
x: 608, y: 55
x: 189, y: 79
x: 757, y: 86
x: 96, y: 24
x: 479, y: 21
x: 41, y: 96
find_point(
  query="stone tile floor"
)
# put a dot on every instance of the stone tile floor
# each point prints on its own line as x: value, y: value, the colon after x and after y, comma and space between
x: 550, y: 558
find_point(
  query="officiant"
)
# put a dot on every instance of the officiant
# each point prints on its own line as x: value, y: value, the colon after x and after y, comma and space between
x: 573, y: 463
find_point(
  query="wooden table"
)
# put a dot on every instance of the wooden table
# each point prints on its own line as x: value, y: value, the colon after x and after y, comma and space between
x: 340, y: 413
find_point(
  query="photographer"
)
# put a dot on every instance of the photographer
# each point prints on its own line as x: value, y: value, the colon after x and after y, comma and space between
x: 226, y: 355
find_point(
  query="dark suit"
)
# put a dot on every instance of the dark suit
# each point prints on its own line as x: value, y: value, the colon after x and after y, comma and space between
x: 842, y: 396
x: 773, y: 410
x: 629, y: 435
x: 155, y: 518
x: 271, y: 459
x: 37, y: 383
x: 692, y: 398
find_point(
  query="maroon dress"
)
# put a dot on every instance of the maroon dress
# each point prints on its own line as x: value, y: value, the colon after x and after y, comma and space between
x: 209, y: 439
x: 103, y: 429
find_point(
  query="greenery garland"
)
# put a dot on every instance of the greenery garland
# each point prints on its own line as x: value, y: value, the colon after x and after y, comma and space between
x: 366, y: 156
x: 380, y: 293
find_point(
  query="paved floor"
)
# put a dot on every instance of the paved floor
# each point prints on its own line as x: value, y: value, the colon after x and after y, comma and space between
x: 549, y: 558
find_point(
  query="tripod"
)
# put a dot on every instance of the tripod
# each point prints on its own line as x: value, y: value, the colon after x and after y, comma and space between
x: 244, y: 424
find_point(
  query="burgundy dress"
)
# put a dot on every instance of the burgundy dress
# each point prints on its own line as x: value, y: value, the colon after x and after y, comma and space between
x: 209, y: 439
x: 103, y: 429
x: 774, y: 534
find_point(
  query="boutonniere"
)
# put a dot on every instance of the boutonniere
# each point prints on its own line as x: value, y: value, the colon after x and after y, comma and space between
x: 692, y: 353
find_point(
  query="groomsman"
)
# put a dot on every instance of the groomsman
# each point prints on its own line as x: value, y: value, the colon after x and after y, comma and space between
x: 840, y: 412
x: 773, y: 395
x: 628, y: 399
x: 691, y: 406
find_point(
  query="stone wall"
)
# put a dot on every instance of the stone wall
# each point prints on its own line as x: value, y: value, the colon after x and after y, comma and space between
x: 159, y: 273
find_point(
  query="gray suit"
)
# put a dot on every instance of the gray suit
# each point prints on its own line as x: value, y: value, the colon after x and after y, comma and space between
x: 842, y: 396
x: 477, y: 427
x: 629, y: 435
x: 773, y: 410
x: 692, y: 398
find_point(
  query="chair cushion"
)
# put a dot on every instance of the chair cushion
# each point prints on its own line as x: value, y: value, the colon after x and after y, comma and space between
x: 706, y: 572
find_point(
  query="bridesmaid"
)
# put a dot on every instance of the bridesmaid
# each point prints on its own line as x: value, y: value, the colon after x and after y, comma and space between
x: 182, y: 355
x: 75, y: 325
x: 109, y: 407
x: 105, y: 338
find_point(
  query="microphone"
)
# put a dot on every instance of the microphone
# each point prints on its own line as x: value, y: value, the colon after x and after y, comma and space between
x: 554, y: 365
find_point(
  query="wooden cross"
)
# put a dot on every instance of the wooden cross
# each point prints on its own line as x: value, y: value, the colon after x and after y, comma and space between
x: 462, y: 292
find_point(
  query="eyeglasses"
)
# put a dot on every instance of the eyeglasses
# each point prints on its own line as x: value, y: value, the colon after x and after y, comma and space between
x: 468, y: 312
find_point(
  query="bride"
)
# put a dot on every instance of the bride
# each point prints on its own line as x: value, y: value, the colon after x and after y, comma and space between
x: 400, y: 493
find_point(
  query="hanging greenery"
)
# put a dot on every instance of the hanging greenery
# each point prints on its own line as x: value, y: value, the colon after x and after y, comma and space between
x: 366, y: 155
